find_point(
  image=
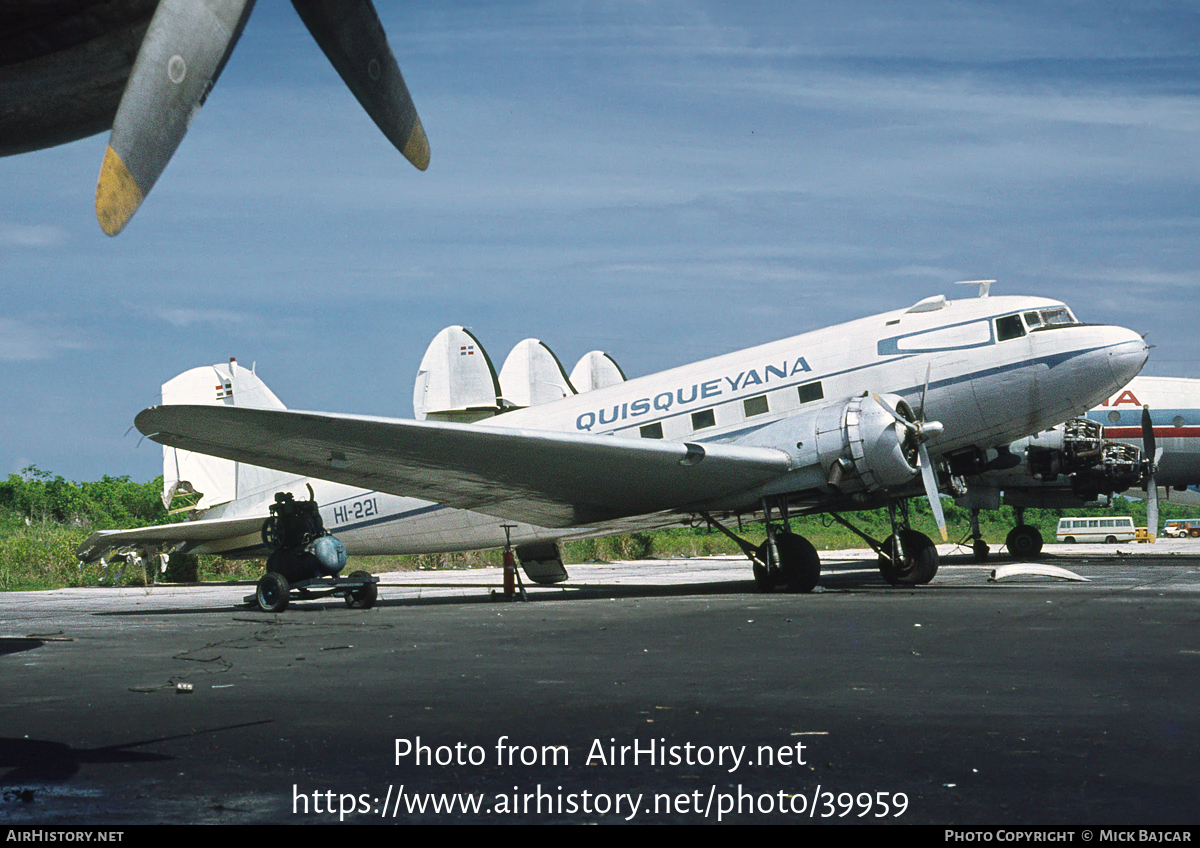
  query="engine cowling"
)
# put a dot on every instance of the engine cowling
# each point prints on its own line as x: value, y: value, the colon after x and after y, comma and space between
x: 863, y: 448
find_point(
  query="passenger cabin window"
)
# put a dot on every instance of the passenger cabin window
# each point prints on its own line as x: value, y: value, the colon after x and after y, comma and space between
x: 756, y: 405
x: 810, y: 392
x: 1009, y: 327
x: 651, y: 431
x: 703, y: 418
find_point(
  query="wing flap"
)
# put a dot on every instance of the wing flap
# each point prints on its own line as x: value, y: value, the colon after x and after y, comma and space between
x: 547, y: 478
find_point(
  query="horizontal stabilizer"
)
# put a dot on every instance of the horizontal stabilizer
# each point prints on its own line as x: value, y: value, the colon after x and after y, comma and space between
x: 532, y: 375
x: 596, y: 370
x: 456, y: 380
x: 188, y: 534
x: 546, y: 478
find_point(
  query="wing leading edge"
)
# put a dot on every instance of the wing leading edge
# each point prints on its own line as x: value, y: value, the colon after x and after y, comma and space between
x: 547, y: 478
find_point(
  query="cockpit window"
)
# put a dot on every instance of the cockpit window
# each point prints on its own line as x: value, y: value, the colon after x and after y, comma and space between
x: 1009, y: 327
x: 1057, y: 316
x: 1049, y: 318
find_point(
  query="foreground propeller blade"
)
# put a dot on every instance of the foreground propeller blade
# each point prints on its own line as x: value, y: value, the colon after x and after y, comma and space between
x: 350, y: 34
x: 929, y: 478
x: 183, y: 52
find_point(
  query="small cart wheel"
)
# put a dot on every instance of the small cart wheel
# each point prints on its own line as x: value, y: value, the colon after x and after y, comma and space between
x: 364, y: 596
x: 272, y: 592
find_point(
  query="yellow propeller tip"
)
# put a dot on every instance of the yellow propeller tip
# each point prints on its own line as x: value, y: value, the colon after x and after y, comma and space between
x: 117, y: 194
x: 416, y: 149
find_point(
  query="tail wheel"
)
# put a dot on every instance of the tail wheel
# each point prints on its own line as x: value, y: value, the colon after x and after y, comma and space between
x: 918, y: 563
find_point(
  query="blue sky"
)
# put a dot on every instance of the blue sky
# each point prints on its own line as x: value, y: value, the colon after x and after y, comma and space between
x: 664, y: 181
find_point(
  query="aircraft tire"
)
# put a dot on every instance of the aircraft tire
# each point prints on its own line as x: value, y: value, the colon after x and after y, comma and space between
x: 1025, y: 542
x: 801, y: 565
x: 364, y: 597
x: 764, y: 580
x: 272, y: 592
x: 920, y: 563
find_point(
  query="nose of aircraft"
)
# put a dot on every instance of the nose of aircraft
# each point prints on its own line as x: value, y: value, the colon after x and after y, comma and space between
x: 1127, y: 354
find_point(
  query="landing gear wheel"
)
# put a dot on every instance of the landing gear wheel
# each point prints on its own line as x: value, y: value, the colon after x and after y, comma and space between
x: 1024, y: 542
x: 272, y: 592
x: 798, y: 569
x: 981, y: 550
x: 918, y: 564
x: 363, y: 597
x: 800, y: 564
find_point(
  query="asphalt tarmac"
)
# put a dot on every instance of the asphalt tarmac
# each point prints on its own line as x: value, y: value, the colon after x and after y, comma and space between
x: 638, y: 692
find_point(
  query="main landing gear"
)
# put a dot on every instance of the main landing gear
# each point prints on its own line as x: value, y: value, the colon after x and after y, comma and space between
x: 908, y: 557
x: 785, y: 559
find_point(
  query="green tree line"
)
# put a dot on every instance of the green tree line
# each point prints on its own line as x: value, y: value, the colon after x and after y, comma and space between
x: 44, y: 518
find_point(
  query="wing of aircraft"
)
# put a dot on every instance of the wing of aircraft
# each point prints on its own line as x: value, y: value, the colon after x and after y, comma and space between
x: 539, y: 477
x: 145, y: 67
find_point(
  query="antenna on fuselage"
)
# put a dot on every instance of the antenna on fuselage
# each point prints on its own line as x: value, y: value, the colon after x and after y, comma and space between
x: 984, y: 285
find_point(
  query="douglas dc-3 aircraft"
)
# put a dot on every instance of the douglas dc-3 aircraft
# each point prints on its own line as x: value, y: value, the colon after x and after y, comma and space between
x: 73, y: 68
x: 1146, y: 435
x: 851, y: 417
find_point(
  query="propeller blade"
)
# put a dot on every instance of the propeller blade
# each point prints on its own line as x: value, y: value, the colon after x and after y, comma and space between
x: 924, y: 389
x: 352, y: 37
x: 181, y: 56
x: 1151, y: 507
x: 887, y: 407
x: 1151, y: 455
x: 929, y: 478
x: 1148, y: 440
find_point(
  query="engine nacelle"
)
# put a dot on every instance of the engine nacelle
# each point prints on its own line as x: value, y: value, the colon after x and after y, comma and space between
x: 863, y: 448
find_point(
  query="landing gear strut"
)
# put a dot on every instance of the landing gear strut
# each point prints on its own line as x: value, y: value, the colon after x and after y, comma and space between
x: 978, y: 546
x: 908, y: 557
x: 785, y: 559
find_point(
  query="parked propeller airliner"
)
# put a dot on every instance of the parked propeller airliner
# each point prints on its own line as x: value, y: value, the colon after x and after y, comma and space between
x: 1144, y: 438
x: 850, y: 417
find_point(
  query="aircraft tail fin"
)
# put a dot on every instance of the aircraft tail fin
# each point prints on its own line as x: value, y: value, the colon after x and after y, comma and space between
x: 532, y: 374
x: 207, y: 481
x: 456, y: 380
x: 596, y: 370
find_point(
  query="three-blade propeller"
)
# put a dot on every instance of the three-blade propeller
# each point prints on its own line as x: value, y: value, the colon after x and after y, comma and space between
x: 181, y: 56
x: 923, y: 431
